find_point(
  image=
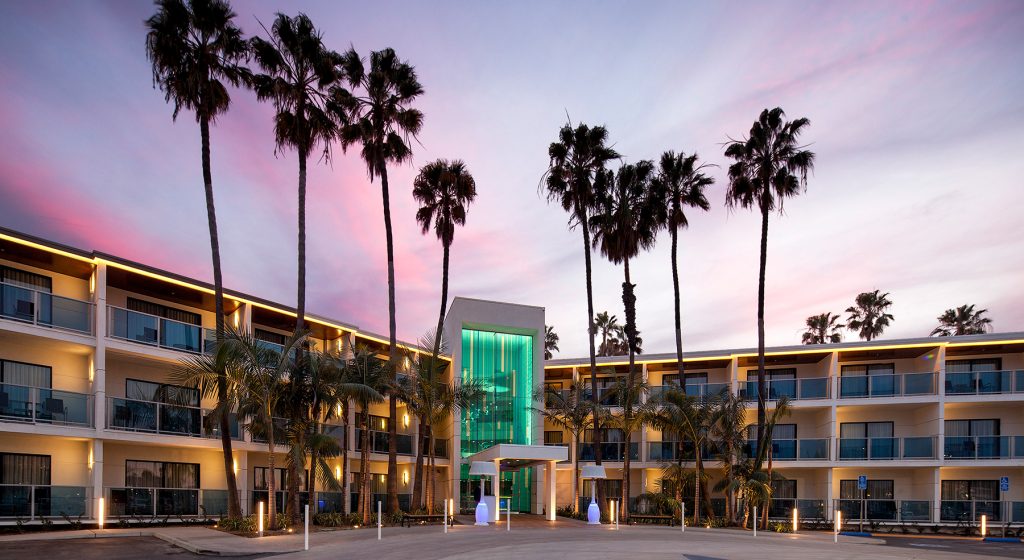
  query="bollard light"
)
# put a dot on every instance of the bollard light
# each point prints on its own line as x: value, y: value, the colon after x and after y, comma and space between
x: 796, y: 522
x: 101, y: 517
x: 984, y: 525
x: 259, y: 521
x: 306, y: 532
x: 839, y: 524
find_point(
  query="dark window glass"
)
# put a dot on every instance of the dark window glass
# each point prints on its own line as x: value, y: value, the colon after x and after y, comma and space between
x: 25, y: 279
x: 161, y: 392
x: 172, y: 313
x: 21, y: 468
x: 158, y: 474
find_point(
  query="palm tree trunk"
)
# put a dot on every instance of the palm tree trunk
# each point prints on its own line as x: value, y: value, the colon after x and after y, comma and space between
x: 575, y: 474
x: 417, y: 481
x: 271, y: 477
x: 364, y: 467
x: 629, y: 302
x: 761, y: 396
x: 431, y: 474
x: 679, y: 321
x: 444, y: 303
x: 234, y: 504
x: 392, y: 481
x: 314, y: 460
x: 346, y: 490
x: 598, y: 436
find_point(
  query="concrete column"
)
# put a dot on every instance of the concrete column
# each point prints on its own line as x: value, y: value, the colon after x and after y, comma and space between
x: 246, y: 311
x: 99, y: 357
x: 242, y: 478
x: 551, y: 499
x: 496, y: 491
x: 936, y: 494
x: 833, y: 375
x: 96, y: 450
x: 734, y: 372
x: 829, y: 494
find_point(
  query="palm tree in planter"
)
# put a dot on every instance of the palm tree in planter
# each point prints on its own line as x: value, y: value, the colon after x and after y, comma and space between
x: 374, y: 377
x: 680, y: 182
x: 572, y: 411
x: 376, y: 111
x: 769, y: 166
x: 823, y: 329
x: 298, y: 72
x: 197, y: 51
x: 550, y: 342
x: 869, y: 315
x: 963, y: 320
x: 577, y: 158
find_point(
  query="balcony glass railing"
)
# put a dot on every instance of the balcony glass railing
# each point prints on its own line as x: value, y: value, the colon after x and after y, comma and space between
x: 700, y: 391
x: 795, y: 389
x: 155, y: 331
x: 983, y: 447
x: 895, y: 385
x: 610, y: 451
x: 886, y: 448
x: 782, y: 508
x: 884, y: 510
x: 811, y: 449
x: 972, y: 510
x: 31, y: 502
x: 163, y: 502
x: 155, y: 417
x: 44, y: 309
x: 40, y: 405
x: 379, y: 442
x: 984, y: 382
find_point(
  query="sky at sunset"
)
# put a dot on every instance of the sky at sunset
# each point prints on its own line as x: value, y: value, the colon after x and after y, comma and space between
x: 917, y: 120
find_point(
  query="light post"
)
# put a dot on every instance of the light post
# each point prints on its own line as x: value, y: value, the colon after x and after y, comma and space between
x: 593, y: 472
x: 482, y: 469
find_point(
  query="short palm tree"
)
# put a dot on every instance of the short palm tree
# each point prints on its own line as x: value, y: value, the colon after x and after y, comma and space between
x: 681, y: 182
x: 377, y: 112
x: 869, y: 316
x: 571, y: 411
x: 637, y: 413
x: 197, y: 51
x: 550, y: 342
x: 606, y: 326
x: 769, y: 166
x: 444, y: 190
x: 823, y: 329
x: 690, y: 419
x: 374, y: 377
x: 729, y: 431
x: 576, y: 159
x: 963, y: 320
x: 297, y: 72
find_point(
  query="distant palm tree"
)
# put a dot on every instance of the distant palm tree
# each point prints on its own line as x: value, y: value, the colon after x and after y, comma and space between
x: 377, y: 112
x: 550, y: 342
x: 681, y: 183
x: 868, y: 316
x: 444, y: 190
x: 298, y: 70
x: 823, y: 329
x: 963, y: 320
x: 606, y: 326
x: 196, y: 49
x: 576, y: 159
x: 769, y: 166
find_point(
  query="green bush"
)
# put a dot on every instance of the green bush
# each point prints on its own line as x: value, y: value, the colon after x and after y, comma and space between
x: 338, y: 519
x: 780, y: 527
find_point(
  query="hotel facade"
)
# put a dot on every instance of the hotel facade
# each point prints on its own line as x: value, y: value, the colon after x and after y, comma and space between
x: 925, y: 431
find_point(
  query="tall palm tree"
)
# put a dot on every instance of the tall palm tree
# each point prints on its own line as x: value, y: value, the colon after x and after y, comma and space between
x: 378, y: 113
x: 298, y: 71
x: 769, y: 166
x: 681, y: 182
x: 963, y: 320
x: 196, y: 51
x: 606, y: 326
x: 550, y: 342
x: 574, y: 413
x: 374, y: 377
x: 576, y: 159
x: 444, y: 190
x: 868, y: 316
x: 823, y: 329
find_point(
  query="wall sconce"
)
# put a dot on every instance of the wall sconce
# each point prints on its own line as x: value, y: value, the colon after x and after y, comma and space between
x: 236, y: 319
x: 90, y: 458
x: 405, y: 419
x: 337, y: 473
x: 235, y: 466
x: 405, y: 478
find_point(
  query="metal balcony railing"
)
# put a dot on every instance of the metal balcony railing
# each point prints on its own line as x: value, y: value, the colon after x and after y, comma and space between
x: 31, y: 502
x: 886, y: 448
x: 894, y: 385
x: 152, y: 330
x: 45, y: 309
x: 702, y: 391
x: 984, y: 382
x: 162, y: 502
x: 958, y: 448
x: 610, y: 451
x: 133, y: 415
x: 884, y: 510
x: 38, y: 405
x: 379, y: 442
x: 795, y: 389
x: 808, y: 449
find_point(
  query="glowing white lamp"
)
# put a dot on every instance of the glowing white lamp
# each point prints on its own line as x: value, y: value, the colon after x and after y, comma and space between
x: 482, y: 469
x: 593, y: 472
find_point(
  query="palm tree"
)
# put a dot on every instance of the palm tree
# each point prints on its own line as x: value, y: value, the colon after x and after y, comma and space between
x: 637, y: 413
x: 444, y: 189
x: 298, y: 70
x: 868, y: 316
x: 550, y: 342
x: 729, y: 430
x: 571, y: 411
x: 963, y: 320
x: 196, y: 49
x: 374, y: 376
x: 690, y: 419
x: 770, y: 165
x: 378, y: 114
x: 823, y: 329
x: 577, y: 158
x: 606, y: 325
x: 681, y: 183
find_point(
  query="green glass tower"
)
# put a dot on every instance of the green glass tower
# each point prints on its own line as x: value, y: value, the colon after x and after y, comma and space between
x: 503, y: 364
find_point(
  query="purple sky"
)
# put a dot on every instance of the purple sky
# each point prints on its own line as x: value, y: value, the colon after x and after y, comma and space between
x: 917, y: 112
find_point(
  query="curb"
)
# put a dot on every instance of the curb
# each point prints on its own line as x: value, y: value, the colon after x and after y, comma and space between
x: 855, y: 534
x: 1002, y: 539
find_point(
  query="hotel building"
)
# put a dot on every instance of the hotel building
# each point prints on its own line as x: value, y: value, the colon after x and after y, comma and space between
x: 89, y: 410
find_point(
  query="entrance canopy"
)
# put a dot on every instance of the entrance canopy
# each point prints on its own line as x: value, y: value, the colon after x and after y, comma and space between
x: 512, y: 457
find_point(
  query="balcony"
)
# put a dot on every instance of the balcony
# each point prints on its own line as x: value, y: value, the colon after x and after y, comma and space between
x: 782, y: 508
x: 164, y: 502
x: 31, y: 502
x: 970, y: 448
x: 795, y: 389
x: 701, y: 391
x: 152, y: 330
x: 45, y: 309
x: 895, y: 385
x: 985, y: 382
x: 811, y: 449
x: 379, y: 442
x: 610, y: 451
x: 971, y: 510
x: 36, y: 405
x: 884, y: 510
x: 886, y: 448
x: 132, y: 415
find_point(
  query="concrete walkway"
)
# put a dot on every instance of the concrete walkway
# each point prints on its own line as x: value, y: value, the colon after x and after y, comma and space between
x: 200, y: 540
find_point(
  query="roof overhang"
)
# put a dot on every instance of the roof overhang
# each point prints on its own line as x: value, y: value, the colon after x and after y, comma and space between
x: 521, y: 456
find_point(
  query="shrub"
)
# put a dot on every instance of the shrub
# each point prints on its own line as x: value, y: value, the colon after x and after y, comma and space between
x: 780, y: 527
